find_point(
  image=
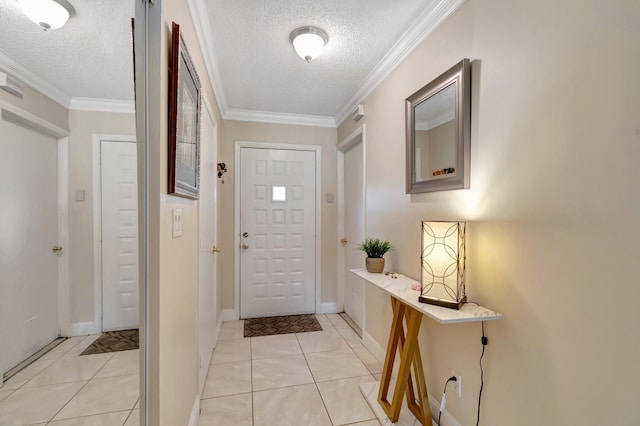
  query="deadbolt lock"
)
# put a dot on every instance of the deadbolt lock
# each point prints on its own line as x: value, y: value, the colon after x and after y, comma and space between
x: 56, y: 249
x: 245, y: 234
x: 344, y: 241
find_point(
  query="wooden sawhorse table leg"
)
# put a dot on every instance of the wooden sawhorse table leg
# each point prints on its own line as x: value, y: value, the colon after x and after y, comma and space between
x: 407, y: 345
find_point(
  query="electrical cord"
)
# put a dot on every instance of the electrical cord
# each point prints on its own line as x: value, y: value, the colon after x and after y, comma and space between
x: 484, y: 342
x: 444, y: 396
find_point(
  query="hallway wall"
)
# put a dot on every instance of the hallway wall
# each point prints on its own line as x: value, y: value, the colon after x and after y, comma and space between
x: 83, y: 124
x: 245, y: 131
x: 552, y: 209
x: 38, y: 104
x: 173, y: 274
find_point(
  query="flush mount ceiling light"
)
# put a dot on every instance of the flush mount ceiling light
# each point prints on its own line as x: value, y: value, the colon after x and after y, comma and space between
x: 308, y: 42
x: 49, y: 14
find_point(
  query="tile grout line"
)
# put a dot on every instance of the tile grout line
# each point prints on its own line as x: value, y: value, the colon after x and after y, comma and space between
x: 315, y: 383
x: 253, y: 410
x: 84, y: 386
x: 304, y: 354
x: 74, y: 395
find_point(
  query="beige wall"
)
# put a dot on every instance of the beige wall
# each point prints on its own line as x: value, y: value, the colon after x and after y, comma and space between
x: 39, y: 105
x: 233, y: 131
x: 552, y: 209
x: 442, y: 153
x: 173, y: 279
x: 83, y: 125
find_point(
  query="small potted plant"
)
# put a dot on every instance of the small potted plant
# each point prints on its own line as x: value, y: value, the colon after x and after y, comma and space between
x: 375, y: 248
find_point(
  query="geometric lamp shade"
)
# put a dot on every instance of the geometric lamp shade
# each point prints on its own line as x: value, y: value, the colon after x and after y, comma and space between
x: 443, y: 264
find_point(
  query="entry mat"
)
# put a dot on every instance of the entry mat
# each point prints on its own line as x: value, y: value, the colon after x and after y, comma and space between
x: 114, y: 341
x: 268, y: 326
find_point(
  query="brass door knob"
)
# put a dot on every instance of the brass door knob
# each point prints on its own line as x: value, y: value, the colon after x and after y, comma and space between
x: 344, y: 241
x: 56, y: 249
x: 215, y: 249
x: 245, y: 246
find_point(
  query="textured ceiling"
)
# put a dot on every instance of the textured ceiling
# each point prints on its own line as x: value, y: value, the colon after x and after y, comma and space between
x: 90, y: 57
x: 259, y: 70
x: 246, y: 42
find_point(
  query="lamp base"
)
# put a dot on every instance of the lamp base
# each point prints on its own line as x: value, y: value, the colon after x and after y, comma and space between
x: 442, y: 302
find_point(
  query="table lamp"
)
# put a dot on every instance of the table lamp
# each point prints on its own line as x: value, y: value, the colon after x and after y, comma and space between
x: 443, y: 264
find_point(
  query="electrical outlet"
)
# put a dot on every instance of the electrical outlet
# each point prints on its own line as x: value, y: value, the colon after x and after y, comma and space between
x: 457, y: 385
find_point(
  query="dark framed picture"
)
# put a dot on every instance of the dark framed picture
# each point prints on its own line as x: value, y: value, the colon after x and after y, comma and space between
x: 184, y: 121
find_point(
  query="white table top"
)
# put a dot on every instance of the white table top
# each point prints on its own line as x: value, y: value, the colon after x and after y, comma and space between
x: 400, y: 288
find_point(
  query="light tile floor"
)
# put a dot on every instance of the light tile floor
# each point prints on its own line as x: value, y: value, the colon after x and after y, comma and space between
x: 292, y: 379
x: 65, y: 389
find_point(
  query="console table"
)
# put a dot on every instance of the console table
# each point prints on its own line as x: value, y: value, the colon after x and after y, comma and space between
x: 408, y: 310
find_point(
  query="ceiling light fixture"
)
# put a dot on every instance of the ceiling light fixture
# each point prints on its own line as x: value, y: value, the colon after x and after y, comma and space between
x: 308, y: 42
x: 49, y: 14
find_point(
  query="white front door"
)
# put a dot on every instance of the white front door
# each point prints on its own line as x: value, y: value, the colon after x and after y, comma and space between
x: 277, y: 227
x: 354, y: 233
x: 28, y: 233
x: 207, y: 259
x: 120, y: 301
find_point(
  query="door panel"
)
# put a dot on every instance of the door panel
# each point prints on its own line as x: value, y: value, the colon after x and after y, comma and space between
x: 354, y: 229
x: 207, y: 262
x: 28, y: 232
x: 277, y: 225
x: 120, y: 301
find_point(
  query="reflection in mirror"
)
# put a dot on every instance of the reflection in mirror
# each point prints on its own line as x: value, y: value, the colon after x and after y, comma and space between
x: 68, y: 218
x: 435, y: 155
x: 437, y: 132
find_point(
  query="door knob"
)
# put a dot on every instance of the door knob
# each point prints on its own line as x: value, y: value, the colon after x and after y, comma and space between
x: 56, y: 249
x: 344, y: 241
x: 245, y: 246
x: 215, y: 249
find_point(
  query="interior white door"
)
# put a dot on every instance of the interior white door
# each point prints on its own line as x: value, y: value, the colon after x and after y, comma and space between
x: 354, y: 233
x: 207, y: 220
x: 277, y: 226
x: 28, y: 233
x: 119, y: 184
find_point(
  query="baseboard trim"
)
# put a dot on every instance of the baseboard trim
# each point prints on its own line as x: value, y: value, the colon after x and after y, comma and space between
x: 195, y: 412
x: 380, y: 353
x: 370, y: 393
x: 218, y: 329
x: 374, y: 347
x: 229, y: 315
x: 82, y: 329
x: 447, y: 419
x: 328, y: 308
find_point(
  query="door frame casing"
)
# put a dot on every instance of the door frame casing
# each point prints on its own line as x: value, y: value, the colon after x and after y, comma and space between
x: 96, y: 142
x: 22, y: 117
x: 218, y: 315
x: 356, y: 137
x: 318, y: 229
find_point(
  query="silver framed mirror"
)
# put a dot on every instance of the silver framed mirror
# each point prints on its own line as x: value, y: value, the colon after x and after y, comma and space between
x: 438, y: 127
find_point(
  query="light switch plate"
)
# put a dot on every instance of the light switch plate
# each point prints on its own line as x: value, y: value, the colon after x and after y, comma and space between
x: 177, y: 223
x: 329, y: 197
x: 79, y: 195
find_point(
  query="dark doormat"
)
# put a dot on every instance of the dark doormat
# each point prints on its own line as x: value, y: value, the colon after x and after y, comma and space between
x: 114, y: 341
x: 268, y: 326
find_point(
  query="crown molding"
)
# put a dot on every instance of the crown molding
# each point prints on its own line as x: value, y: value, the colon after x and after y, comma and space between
x: 22, y: 73
x: 102, y: 105
x: 204, y: 34
x: 426, y: 23
x: 279, y: 118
